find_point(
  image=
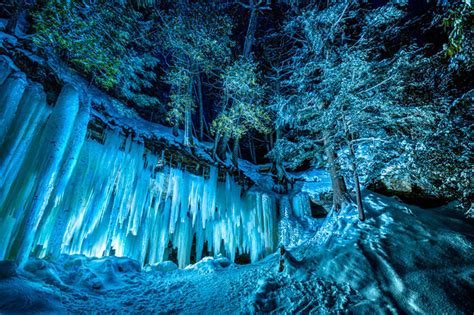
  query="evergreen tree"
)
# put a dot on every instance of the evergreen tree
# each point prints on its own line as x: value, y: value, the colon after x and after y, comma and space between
x: 107, y: 43
x: 242, y: 109
x: 197, y: 40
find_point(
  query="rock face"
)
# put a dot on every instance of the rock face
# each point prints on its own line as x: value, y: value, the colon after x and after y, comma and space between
x: 7, y: 269
x: 396, y: 181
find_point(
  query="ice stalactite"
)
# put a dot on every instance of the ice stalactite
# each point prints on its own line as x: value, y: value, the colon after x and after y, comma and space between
x: 32, y: 189
x: 6, y: 67
x: 64, y: 193
x: 10, y: 96
x: 118, y: 202
x: 70, y: 160
x: 300, y: 205
x: 24, y: 124
x: 295, y: 223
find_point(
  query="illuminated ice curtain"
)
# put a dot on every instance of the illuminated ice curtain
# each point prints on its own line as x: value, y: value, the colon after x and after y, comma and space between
x: 64, y: 193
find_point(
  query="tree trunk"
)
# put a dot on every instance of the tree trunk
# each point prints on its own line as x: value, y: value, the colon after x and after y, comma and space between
x: 272, y: 144
x: 201, y: 107
x: 221, y: 153
x: 360, y: 206
x: 281, y: 177
x: 187, y: 141
x: 250, y: 36
x: 235, y: 152
x: 268, y: 143
x: 216, y: 145
x: 337, y: 181
x: 253, y: 154
x: 349, y: 138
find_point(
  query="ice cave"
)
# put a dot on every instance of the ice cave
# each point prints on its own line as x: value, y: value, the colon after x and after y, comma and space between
x: 236, y: 157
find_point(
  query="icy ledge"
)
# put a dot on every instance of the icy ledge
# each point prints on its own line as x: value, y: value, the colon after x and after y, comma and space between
x: 105, y: 111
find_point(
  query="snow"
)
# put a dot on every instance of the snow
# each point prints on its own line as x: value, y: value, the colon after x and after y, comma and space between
x: 402, y: 259
x: 164, y: 266
x: 210, y: 264
x: 314, y: 181
x: 400, y: 256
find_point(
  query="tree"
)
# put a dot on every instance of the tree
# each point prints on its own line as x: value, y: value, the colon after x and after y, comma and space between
x: 242, y: 110
x: 334, y: 80
x: 193, y: 51
x: 355, y: 90
x: 255, y: 8
x: 107, y: 43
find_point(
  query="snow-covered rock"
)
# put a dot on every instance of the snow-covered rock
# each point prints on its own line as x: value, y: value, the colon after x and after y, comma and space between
x: 397, y: 180
x: 164, y: 266
x: 7, y: 269
x: 210, y: 264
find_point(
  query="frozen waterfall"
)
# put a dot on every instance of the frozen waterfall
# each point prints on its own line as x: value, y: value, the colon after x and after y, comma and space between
x: 63, y: 192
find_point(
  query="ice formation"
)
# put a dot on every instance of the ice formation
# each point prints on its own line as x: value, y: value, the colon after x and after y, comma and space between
x: 62, y: 192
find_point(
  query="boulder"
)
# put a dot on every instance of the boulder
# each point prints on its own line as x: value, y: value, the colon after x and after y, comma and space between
x: 7, y: 269
x: 165, y: 266
x: 397, y: 181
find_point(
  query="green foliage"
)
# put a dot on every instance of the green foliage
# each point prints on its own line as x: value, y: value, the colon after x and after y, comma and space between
x: 193, y: 51
x: 72, y: 31
x: 240, y: 81
x: 102, y: 41
x: 460, y: 23
x: 243, y: 94
x: 181, y: 98
x: 196, y: 36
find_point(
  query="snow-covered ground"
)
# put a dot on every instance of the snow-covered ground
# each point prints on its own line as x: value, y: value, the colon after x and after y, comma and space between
x: 402, y: 259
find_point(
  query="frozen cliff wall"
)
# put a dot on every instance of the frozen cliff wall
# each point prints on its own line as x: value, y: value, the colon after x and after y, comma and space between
x: 63, y: 192
x: 122, y: 199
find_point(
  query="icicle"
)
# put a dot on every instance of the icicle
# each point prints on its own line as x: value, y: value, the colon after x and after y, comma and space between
x: 10, y: 95
x: 18, y: 153
x: 58, y: 217
x: 54, y: 143
x: 300, y: 205
x: 75, y: 195
x: 6, y: 67
x: 31, y: 113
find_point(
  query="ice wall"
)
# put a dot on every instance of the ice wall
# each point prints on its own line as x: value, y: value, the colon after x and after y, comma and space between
x: 118, y: 201
x: 61, y: 192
